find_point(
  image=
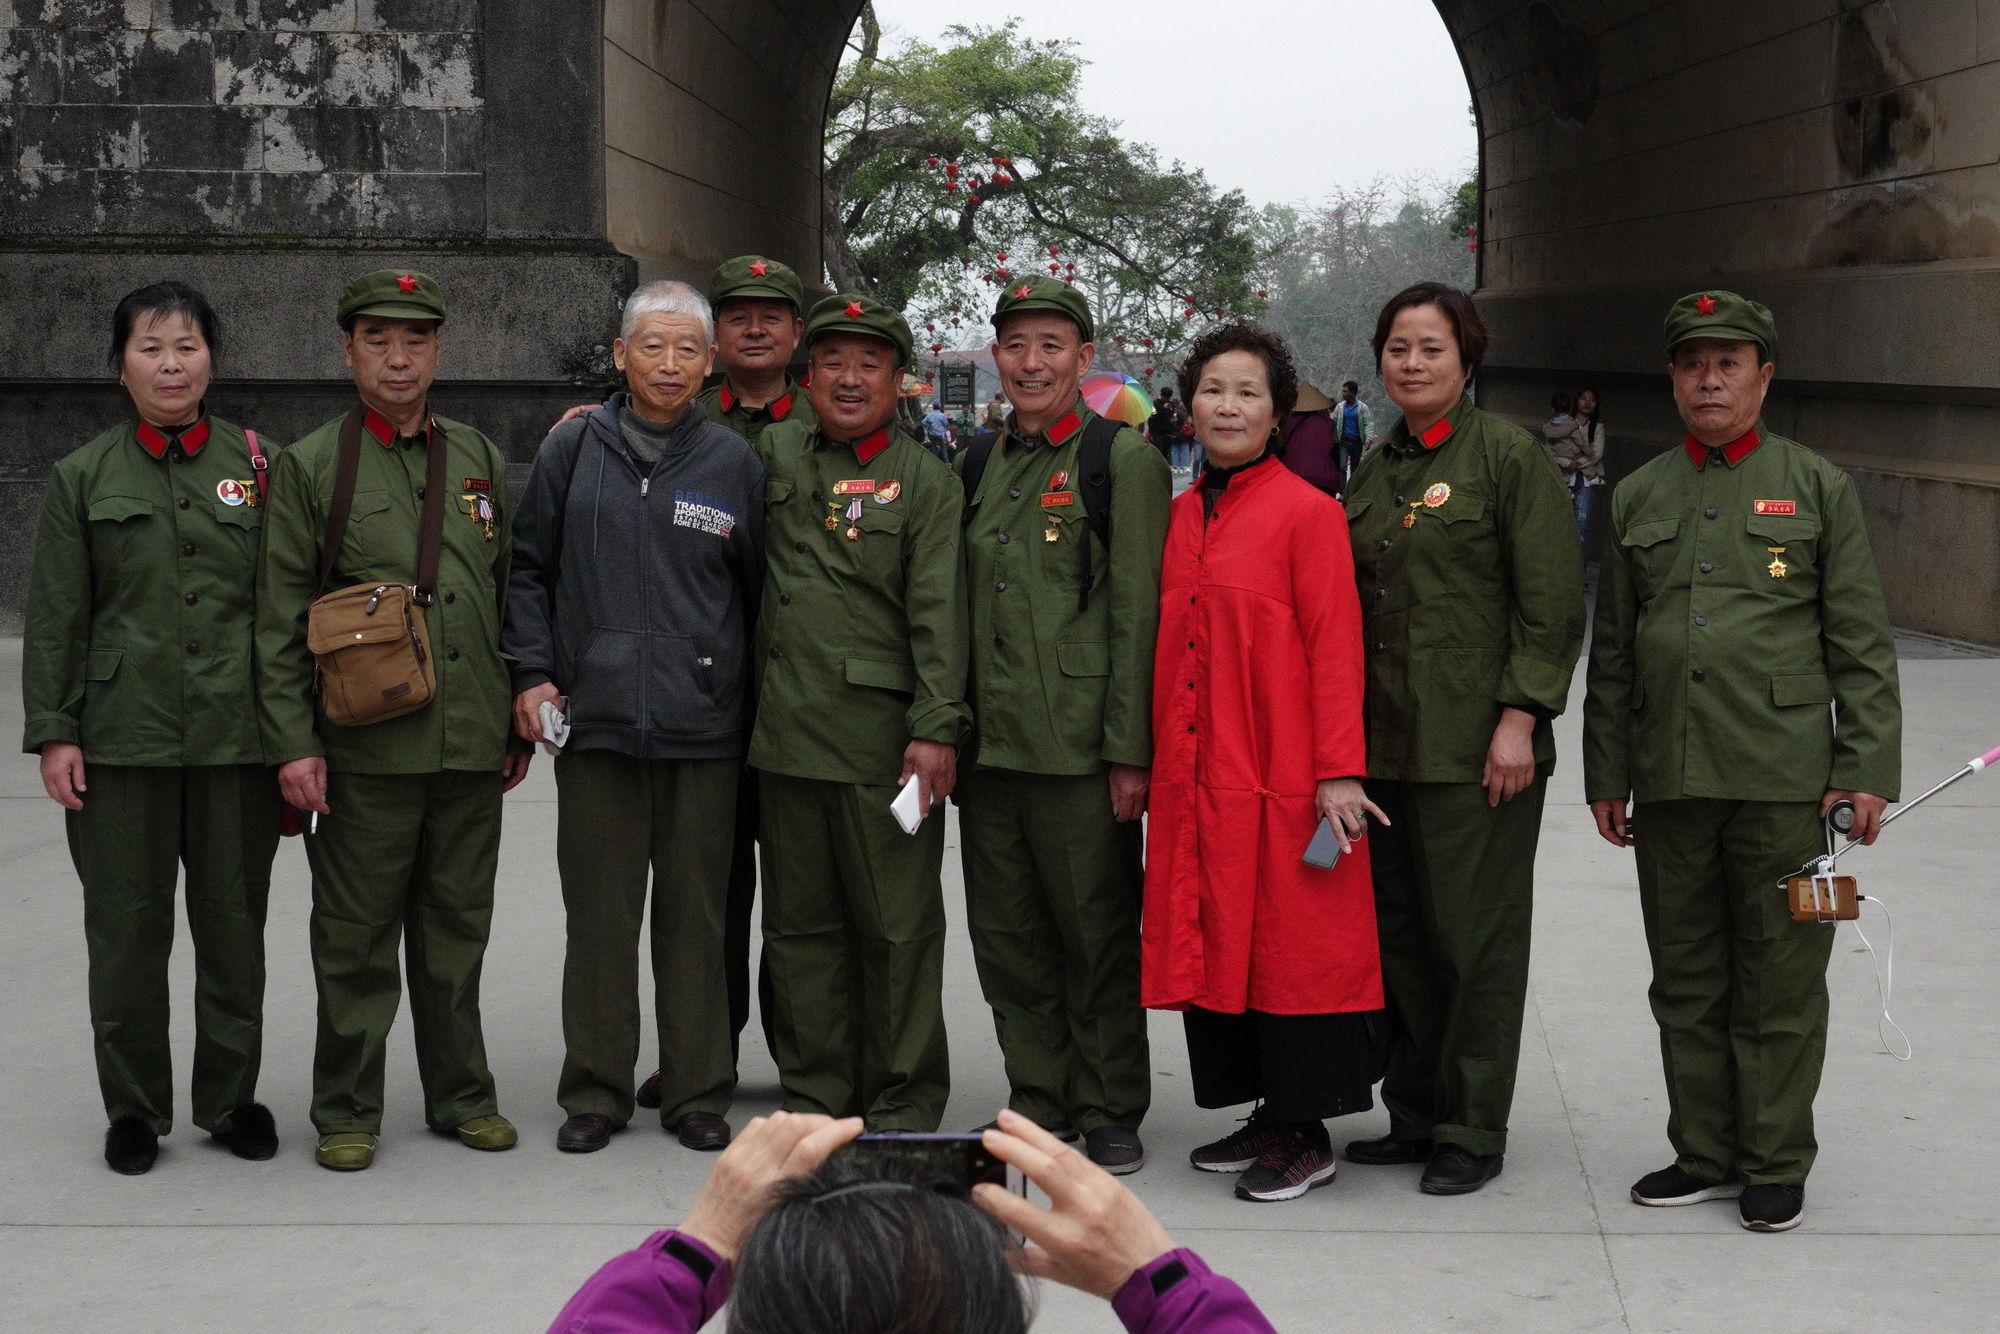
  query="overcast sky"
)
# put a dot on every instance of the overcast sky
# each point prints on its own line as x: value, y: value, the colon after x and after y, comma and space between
x: 1282, y: 99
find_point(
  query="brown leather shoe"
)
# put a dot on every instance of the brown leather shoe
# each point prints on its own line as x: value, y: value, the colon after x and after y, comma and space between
x: 702, y: 1130
x: 586, y: 1132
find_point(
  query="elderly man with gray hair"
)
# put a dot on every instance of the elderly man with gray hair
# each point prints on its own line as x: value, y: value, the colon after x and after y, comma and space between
x: 638, y: 561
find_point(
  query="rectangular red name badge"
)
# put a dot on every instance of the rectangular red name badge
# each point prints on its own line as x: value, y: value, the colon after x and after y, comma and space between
x: 477, y: 484
x: 863, y: 487
x: 1051, y: 499
x: 1775, y: 507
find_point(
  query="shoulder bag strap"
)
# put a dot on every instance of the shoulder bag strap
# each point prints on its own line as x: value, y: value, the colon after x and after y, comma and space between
x: 430, y: 528
x: 259, y: 465
x: 977, y: 452
x: 346, y: 464
x: 1094, y: 462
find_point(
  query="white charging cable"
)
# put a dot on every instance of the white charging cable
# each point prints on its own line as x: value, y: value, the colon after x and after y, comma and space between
x: 1884, y: 966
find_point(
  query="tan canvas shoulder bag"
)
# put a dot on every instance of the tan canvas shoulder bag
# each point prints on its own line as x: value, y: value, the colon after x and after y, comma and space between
x: 370, y: 646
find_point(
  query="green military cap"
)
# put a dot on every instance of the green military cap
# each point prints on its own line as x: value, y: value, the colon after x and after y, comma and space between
x: 844, y: 312
x: 397, y: 293
x: 1039, y: 293
x: 756, y: 276
x: 1722, y: 315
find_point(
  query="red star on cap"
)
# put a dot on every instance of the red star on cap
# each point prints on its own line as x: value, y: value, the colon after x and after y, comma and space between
x: 1704, y: 304
x: 407, y: 283
x: 759, y: 269
x: 854, y: 310
x: 1023, y: 292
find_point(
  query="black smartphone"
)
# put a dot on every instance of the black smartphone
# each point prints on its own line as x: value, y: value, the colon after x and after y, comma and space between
x: 961, y: 1159
x: 1324, y: 850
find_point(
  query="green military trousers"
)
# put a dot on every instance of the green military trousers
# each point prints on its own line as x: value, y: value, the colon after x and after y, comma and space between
x: 622, y: 821
x: 1052, y: 886
x: 854, y: 945
x: 403, y: 858
x: 1739, y: 988
x: 1454, y: 906
x: 137, y: 829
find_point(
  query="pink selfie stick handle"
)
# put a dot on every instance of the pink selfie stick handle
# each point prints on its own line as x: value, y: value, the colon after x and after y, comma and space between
x: 1990, y: 757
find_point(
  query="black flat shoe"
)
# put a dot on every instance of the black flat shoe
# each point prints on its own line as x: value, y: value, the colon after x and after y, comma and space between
x: 703, y: 1131
x: 1386, y: 1150
x: 130, y: 1147
x: 586, y: 1132
x: 1455, y: 1171
x: 648, y: 1094
x: 252, y: 1133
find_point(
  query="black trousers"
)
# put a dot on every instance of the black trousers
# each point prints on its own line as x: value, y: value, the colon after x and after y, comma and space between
x: 1304, y: 1067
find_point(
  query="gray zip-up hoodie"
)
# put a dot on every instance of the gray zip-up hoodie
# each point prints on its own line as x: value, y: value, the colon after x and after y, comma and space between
x: 633, y: 587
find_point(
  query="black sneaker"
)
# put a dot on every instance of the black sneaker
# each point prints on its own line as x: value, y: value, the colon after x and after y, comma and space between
x: 1293, y: 1164
x: 1239, y: 1150
x: 1773, y: 1208
x: 1671, y: 1186
x: 1115, y: 1149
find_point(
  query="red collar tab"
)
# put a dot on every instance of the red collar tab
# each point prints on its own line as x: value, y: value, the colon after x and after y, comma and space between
x: 155, y: 440
x: 726, y: 399
x: 1735, y: 451
x: 867, y: 449
x: 1440, y: 431
x: 1070, y: 423
x: 379, y: 426
x: 781, y: 408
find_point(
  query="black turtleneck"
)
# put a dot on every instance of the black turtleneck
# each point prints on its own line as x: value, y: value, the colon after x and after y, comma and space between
x: 1214, y: 481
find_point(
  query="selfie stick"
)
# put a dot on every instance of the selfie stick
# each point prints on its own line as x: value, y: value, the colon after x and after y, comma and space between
x: 1991, y: 757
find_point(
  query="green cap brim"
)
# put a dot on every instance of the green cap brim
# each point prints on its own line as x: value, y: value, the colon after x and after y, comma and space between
x: 755, y: 293
x: 1726, y: 332
x: 396, y: 311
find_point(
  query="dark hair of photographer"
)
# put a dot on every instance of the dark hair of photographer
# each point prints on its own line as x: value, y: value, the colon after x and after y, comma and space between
x: 876, y: 1244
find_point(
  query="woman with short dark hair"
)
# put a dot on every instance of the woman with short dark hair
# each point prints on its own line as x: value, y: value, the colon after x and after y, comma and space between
x: 1257, y: 741
x: 801, y: 1242
x: 137, y: 683
x: 1472, y: 599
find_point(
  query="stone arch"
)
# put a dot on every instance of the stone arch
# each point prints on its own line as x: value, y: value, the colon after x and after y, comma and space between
x: 1840, y: 159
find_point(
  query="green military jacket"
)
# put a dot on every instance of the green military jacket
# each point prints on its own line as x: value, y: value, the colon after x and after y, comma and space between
x: 1471, y: 593
x: 468, y: 725
x: 722, y: 405
x: 1057, y: 690
x: 137, y: 641
x: 1740, y: 609
x: 861, y: 633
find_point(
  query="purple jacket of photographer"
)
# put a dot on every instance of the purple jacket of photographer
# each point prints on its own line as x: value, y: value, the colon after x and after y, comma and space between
x: 673, y: 1284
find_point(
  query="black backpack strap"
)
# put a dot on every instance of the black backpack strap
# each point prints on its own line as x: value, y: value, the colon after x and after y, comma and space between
x: 976, y: 452
x: 1094, y: 463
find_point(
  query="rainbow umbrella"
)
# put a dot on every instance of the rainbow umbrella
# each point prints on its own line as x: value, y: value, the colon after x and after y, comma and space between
x: 1118, y: 396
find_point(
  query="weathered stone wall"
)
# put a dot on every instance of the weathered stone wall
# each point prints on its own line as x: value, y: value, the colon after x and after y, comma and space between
x: 267, y: 151
x: 1838, y: 159
x: 325, y: 119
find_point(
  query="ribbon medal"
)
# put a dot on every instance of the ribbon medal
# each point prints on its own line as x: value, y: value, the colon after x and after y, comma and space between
x: 853, y: 533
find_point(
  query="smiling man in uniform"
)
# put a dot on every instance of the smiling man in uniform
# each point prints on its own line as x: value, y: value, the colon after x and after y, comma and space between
x: 861, y: 662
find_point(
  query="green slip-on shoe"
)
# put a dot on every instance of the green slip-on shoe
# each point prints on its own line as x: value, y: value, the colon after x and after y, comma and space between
x: 489, y: 1133
x: 348, y: 1152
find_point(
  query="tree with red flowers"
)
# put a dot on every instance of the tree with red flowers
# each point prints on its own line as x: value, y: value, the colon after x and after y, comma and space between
x: 951, y: 169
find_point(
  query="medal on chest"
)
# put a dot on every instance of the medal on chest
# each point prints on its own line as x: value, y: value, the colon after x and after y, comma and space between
x: 479, y: 509
x: 853, y: 533
x: 1777, y: 569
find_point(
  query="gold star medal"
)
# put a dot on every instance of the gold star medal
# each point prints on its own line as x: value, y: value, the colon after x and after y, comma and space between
x: 1777, y: 569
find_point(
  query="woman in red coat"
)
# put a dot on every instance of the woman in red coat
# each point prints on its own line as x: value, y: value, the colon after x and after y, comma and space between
x: 1257, y: 733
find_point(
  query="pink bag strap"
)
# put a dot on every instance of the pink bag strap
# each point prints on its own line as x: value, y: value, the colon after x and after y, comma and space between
x: 259, y: 465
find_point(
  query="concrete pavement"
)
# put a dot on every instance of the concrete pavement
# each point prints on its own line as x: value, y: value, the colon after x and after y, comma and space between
x: 1902, y: 1232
